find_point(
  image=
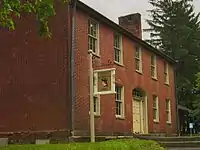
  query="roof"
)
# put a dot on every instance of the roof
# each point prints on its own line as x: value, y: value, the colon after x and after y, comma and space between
x: 184, y: 108
x: 93, y: 13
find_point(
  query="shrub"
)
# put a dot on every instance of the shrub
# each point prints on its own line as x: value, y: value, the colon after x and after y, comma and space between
x: 108, y: 145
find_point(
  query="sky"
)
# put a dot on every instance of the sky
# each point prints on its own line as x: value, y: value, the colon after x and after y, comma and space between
x: 112, y: 9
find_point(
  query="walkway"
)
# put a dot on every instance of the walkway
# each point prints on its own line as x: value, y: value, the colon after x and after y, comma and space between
x: 184, y: 148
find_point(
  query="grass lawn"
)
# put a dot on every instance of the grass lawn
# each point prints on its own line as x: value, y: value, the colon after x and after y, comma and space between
x: 108, y: 145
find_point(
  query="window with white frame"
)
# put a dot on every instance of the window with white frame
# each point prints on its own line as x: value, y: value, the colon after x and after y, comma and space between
x: 155, y: 109
x: 168, y: 111
x: 93, y: 33
x: 166, y: 73
x: 118, y: 48
x: 104, y: 81
x: 153, y: 67
x: 119, y: 101
x: 96, y: 100
x: 138, y: 59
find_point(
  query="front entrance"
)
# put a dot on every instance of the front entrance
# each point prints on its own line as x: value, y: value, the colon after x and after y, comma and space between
x: 140, y: 125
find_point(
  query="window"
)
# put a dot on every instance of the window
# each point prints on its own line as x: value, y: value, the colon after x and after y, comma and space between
x: 155, y: 109
x: 136, y: 94
x: 138, y: 59
x: 153, y: 67
x: 166, y: 73
x: 118, y: 48
x: 104, y: 81
x: 96, y: 105
x: 119, y: 102
x: 168, y: 111
x: 93, y: 31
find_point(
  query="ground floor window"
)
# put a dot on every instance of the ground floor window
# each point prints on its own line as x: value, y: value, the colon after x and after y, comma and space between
x: 96, y: 100
x: 155, y: 109
x: 168, y: 111
x: 119, y: 101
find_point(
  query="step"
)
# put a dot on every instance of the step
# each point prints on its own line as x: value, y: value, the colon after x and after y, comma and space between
x: 180, y: 144
x: 182, y: 138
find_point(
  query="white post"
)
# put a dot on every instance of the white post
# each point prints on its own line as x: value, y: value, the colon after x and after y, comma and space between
x: 92, y: 131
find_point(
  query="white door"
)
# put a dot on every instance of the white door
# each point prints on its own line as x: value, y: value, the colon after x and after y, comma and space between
x: 137, y: 116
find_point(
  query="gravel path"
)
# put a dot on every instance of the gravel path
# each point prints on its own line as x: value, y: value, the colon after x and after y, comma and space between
x: 184, y: 148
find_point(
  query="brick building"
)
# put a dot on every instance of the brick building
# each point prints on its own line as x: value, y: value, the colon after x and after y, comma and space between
x: 37, y: 94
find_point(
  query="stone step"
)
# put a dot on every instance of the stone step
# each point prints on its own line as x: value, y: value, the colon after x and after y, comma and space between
x: 185, y: 144
x: 182, y: 138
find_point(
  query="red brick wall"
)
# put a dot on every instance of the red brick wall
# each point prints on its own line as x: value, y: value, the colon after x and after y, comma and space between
x: 33, y: 93
x: 81, y: 75
x: 33, y: 79
x: 126, y: 76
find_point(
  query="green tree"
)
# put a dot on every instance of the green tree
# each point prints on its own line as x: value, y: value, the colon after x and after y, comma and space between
x: 41, y: 9
x: 175, y: 29
x: 196, y: 102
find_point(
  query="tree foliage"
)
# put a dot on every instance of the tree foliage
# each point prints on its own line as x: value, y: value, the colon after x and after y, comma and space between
x: 41, y: 9
x: 196, y: 102
x: 175, y: 29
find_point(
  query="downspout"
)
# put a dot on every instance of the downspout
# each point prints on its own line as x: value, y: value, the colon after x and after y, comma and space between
x: 176, y: 100
x: 71, y: 64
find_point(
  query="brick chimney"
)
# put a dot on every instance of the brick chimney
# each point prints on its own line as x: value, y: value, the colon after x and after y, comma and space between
x: 132, y: 23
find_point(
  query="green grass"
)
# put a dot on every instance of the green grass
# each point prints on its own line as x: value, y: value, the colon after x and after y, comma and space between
x: 108, y: 145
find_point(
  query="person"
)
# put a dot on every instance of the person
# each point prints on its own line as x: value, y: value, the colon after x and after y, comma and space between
x: 105, y: 83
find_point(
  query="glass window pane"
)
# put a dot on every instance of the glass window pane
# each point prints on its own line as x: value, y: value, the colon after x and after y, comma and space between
x: 90, y: 43
x: 117, y: 108
x: 95, y: 30
x: 165, y: 67
x: 137, y: 52
x: 118, y: 93
x: 152, y: 71
x: 92, y: 28
x: 154, y: 114
x: 120, y: 108
x: 167, y: 116
x: 95, y: 103
x: 118, y: 101
x: 167, y: 105
x: 94, y: 45
x: 117, y: 55
x: 153, y: 59
x: 137, y: 64
x: 165, y: 77
x: 154, y: 103
x: 117, y: 41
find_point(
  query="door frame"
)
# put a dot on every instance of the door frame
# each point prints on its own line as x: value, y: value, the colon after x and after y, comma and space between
x: 143, y: 116
x: 145, y: 110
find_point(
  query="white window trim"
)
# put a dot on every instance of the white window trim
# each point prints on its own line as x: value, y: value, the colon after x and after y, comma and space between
x: 97, y: 53
x: 95, y: 74
x: 98, y: 113
x: 167, y: 72
x: 157, y: 109
x: 122, y: 116
x: 155, y: 66
x: 169, y: 111
x: 121, y: 49
x: 140, y: 60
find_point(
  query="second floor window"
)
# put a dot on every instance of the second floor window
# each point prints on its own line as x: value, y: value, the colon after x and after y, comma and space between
x: 118, y: 48
x: 93, y: 30
x: 138, y: 59
x: 166, y: 73
x: 153, y: 67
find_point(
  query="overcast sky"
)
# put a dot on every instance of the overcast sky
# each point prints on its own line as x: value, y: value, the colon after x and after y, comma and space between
x: 112, y: 9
